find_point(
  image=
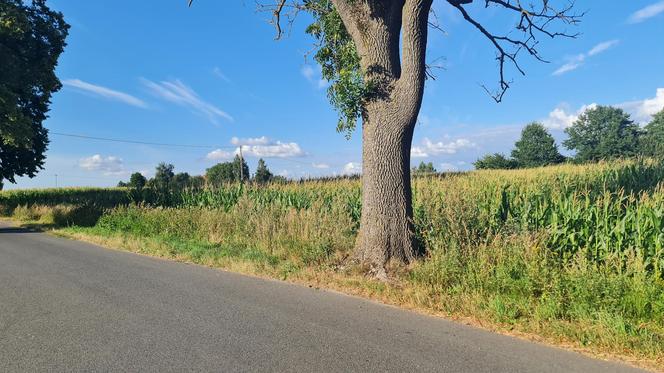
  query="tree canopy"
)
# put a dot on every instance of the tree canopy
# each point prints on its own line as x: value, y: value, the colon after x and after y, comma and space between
x: 652, y: 143
x: 137, y: 180
x: 495, y: 161
x: 536, y: 148
x: 263, y: 174
x: 227, y: 172
x: 603, y: 132
x: 424, y: 168
x: 32, y: 37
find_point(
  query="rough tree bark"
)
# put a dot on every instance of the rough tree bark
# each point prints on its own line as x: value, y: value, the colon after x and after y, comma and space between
x: 396, y: 72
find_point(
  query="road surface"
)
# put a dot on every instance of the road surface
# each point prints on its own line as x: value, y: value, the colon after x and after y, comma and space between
x: 72, y: 306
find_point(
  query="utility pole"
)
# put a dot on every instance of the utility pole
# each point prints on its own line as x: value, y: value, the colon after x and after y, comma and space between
x: 56, y: 180
x: 241, y: 167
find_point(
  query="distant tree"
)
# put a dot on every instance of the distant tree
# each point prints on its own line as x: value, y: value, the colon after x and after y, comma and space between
x: 163, y: 176
x: 263, y: 174
x: 220, y: 174
x: 279, y: 179
x: 603, y: 132
x: 424, y: 168
x: 180, y: 181
x: 137, y: 181
x: 122, y: 184
x: 495, y: 161
x: 197, y: 182
x: 32, y: 37
x: 652, y: 142
x: 536, y: 148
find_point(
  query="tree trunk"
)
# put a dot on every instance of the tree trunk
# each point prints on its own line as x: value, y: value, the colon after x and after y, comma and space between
x: 390, y: 37
x: 386, y: 228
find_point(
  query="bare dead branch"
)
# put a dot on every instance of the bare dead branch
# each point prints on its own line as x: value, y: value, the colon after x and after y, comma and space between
x: 532, y: 23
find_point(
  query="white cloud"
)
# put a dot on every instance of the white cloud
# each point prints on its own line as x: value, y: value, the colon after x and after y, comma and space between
x: 647, y: 12
x: 320, y: 166
x: 436, y: 148
x: 219, y: 154
x: 352, y: 168
x: 278, y: 149
x: 258, y: 147
x: 642, y: 111
x: 577, y: 61
x: 263, y: 140
x: 314, y: 76
x: 105, y: 92
x: 178, y: 93
x: 110, y: 165
x: 560, y: 118
x: 418, y: 152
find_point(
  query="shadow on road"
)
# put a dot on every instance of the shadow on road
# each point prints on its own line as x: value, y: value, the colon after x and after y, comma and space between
x: 17, y: 230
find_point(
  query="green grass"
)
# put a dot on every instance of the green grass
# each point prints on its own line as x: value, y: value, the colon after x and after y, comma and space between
x: 573, y: 254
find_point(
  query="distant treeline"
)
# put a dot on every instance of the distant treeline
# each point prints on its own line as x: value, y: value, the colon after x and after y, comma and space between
x: 600, y: 133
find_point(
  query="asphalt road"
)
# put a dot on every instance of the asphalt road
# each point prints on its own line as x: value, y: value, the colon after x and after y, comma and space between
x: 71, y: 306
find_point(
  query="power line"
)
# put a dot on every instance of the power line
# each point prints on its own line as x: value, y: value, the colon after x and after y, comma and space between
x: 141, y: 142
x: 137, y: 142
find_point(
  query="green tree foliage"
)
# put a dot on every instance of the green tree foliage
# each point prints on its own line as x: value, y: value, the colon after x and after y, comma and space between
x: 163, y: 176
x: 32, y: 37
x: 536, y: 148
x: 652, y: 142
x: 220, y: 174
x: 424, y: 168
x: 495, y: 161
x: 339, y: 62
x: 603, y: 132
x: 137, y: 180
x: 197, y: 182
x: 181, y: 181
x: 227, y: 172
x: 263, y: 174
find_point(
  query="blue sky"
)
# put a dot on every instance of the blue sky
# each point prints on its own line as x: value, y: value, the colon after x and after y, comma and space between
x: 212, y: 75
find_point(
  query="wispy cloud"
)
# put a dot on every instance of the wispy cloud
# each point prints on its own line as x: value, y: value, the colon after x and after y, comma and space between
x: 110, y: 165
x: 320, y: 166
x: 104, y: 92
x: 577, y: 61
x: 177, y: 92
x: 314, y: 76
x: 220, y: 74
x: 263, y: 140
x: 647, y: 12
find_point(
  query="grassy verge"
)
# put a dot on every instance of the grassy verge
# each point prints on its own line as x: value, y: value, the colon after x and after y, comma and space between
x: 574, y: 308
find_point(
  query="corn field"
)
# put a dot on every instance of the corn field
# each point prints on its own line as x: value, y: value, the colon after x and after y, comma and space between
x: 602, y: 211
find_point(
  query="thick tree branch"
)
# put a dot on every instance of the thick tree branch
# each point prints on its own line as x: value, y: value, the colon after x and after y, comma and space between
x: 532, y: 23
x: 415, y: 19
